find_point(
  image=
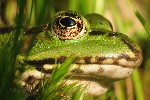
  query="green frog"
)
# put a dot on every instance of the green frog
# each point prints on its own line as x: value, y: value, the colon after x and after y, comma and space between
x: 104, y: 56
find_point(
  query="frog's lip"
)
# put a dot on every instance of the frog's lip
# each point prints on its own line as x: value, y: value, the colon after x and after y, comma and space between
x: 97, y: 71
x: 93, y: 71
x: 121, y: 60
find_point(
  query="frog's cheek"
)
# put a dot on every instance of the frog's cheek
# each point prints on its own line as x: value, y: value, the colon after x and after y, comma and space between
x: 68, y: 25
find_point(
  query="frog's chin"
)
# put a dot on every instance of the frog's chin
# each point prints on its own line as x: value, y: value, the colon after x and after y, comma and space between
x: 93, y: 88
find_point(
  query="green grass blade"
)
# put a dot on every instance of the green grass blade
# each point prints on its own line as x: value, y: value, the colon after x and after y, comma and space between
x: 141, y: 19
x: 99, y: 6
x: 137, y: 85
x: 58, y: 74
x: 79, y: 93
x: 73, y: 4
x: 9, y: 48
x: 87, y: 6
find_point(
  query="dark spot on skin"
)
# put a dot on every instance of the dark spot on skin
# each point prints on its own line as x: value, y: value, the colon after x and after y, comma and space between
x: 30, y: 80
x: 32, y: 84
x: 87, y: 60
x: 97, y: 33
x: 37, y: 29
x: 79, y: 25
x: 100, y: 59
x: 41, y: 62
x: 77, y: 71
x: 41, y: 69
x: 6, y: 29
x: 46, y: 61
x: 61, y: 59
x: 112, y: 34
x: 115, y: 61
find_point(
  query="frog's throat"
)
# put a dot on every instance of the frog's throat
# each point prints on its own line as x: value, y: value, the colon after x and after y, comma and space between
x: 97, y: 78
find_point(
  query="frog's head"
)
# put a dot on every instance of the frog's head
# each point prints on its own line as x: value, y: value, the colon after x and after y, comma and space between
x: 104, y: 56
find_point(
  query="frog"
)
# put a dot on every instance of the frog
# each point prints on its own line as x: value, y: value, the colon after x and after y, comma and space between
x: 104, y: 56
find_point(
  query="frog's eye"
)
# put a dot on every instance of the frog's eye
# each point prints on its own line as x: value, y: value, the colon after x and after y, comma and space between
x: 68, y: 25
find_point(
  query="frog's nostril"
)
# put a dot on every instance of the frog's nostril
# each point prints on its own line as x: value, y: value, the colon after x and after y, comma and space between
x: 67, y: 21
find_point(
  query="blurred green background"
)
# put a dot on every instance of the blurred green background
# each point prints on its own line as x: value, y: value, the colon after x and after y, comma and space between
x: 123, y: 19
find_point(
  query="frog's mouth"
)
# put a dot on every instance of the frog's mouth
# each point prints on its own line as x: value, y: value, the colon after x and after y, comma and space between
x: 89, y: 67
x: 117, y: 60
x: 113, y: 67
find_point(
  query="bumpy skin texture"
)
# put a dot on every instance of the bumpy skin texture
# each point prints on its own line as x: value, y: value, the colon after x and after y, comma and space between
x: 104, y: 56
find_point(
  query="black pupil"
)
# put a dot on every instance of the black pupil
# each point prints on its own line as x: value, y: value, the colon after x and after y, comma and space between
x: 67, y: 21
